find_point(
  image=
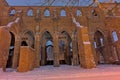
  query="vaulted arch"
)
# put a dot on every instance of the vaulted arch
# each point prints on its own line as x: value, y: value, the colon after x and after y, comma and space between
x: 29, y: 38
x: 65, y: 48
x: 99, y: 44
x: 46, y: 49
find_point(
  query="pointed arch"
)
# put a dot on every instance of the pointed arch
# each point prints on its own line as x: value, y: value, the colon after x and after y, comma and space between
x: 30, y: 12
x: 78, y: 13
x: 46, y: 13
x: 99, y: 44
x: 62, y: 12
x: 65, y: 48
x: 12, y: 12
x: 28, y: 37
x: 46, y: 48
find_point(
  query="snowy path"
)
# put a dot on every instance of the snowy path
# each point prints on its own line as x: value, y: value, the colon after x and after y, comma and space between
x: 64, y: 72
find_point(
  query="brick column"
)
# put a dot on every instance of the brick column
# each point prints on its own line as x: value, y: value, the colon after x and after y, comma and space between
x: 75, y: 52
x: 85, y: 49
x: 56, y: 50
x: 106, y: 51
x: 93, y: 48
x: 16, y: 52
x: 37, y: 50
x: 67, y: 54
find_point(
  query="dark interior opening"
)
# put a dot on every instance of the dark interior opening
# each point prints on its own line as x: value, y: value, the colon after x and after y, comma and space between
x: 24, y: 43
x: 11, y: 51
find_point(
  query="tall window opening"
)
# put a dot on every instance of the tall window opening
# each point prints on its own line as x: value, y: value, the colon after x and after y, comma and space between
x: 47, y: 13
x: 30, y: 12
x: 63, y: 13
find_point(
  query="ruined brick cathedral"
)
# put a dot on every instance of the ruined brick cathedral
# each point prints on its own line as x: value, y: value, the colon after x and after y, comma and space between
x: 34, y: 36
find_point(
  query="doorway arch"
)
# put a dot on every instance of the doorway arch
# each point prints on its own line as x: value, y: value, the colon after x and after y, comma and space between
x: 99, y: 46
x: 65, y: 48
x: 47, y: 57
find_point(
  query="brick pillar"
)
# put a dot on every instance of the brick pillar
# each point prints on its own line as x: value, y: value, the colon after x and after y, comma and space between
x: 56, y: 50
x: 75, y: 52
x: 16, y: 53
x: 106, y: 51
x: 93, y: 48
x: 43, y: 56
x: 85, y: 49
x: 67, y: 54
x: 37, y: 50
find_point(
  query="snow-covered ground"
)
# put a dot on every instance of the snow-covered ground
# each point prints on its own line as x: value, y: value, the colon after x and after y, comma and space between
x: 65, y: 72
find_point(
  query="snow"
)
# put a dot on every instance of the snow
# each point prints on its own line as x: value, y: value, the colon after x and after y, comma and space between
x: 65, y: 72
x: 11, y: 23
x: 76, y: 23
x: 86, y: 42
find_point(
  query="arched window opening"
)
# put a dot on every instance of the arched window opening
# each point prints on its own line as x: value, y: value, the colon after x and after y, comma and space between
x: 23, y: 43
x: 79, y: 13
x: 115, y: 37
x: 30, y: 12
x: 12, y: 12
x: 47, y: 13
x: 63, y: 13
